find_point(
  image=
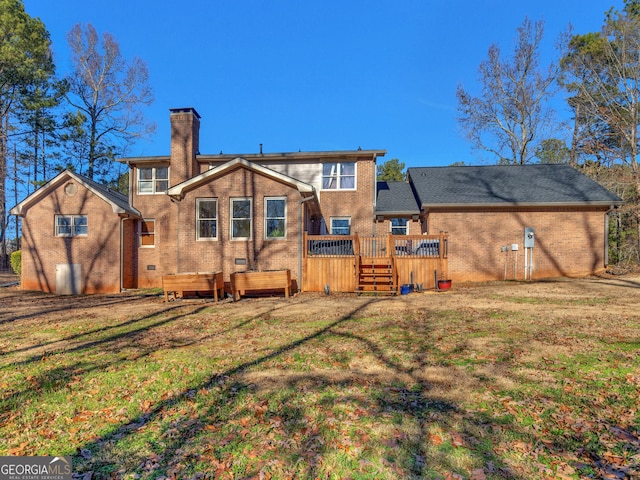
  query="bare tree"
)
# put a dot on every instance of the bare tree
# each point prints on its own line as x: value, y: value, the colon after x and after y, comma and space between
x: 511, y: 115
x: 109, y: 93
x: 602, y: 71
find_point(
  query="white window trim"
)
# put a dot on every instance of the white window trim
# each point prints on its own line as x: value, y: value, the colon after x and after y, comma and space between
x: 331, y: 219
x: 406, y: 227
x: 266, y: 237
x: 153, y: 181
x: 338, y: 177
x: 207, y: 239
x: 72, y: 234
x: 155, y: 232
x: 231, y: 219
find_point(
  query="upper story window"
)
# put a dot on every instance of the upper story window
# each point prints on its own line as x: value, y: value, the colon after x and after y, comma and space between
x: 340, y: 225
x: 71, y: 226
x: 400, y: 226
x: 339, y: 176
x: 207, y: 219
x: 241, y: 218
x: 147, y: 232
x: 153, y: 180
x: 275, y: 217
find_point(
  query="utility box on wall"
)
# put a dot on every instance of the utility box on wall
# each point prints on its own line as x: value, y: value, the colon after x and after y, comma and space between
x: 529, y: 237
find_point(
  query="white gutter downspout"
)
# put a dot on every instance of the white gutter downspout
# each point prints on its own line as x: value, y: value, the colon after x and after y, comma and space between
x: 300, y: 237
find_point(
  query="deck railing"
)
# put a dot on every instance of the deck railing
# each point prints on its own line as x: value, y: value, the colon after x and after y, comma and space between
x: 433, y: 246
x: 331, y: 245
x: 332, y: 260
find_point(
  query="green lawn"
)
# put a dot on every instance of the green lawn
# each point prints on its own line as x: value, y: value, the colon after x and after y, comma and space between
x: 515, y: 381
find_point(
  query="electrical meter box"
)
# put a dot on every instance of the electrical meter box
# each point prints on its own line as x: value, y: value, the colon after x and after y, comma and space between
x: 529, y: 237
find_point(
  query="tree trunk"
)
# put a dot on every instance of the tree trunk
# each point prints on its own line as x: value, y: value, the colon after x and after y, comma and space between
x: 4, y: 123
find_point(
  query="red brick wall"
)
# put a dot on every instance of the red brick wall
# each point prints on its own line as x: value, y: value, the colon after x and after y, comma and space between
x: 177, y: 249
x: 150, y: 262
x: 568, y: 242
x: 357, y: 204
x: 185, y: 138
x: 98, y: 253
x: 129, y: 250
x: 384, y: 227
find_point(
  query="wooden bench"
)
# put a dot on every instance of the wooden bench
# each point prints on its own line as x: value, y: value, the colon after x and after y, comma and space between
x: 179, y: 283
x: 241, y: 282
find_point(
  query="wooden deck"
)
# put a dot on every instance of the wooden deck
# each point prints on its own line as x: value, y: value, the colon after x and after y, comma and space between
x: 380, y: 265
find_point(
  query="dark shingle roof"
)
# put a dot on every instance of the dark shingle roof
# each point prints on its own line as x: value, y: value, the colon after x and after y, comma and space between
x: 507, y: 184
x: 396, y: 197
x: 118, y: 201
x: 114, y: 196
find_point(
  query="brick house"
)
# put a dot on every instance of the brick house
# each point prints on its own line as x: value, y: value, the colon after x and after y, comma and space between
x: 193, y: 212
x: 486, y: 209
x: 73, y: 232
x: 189, y: 212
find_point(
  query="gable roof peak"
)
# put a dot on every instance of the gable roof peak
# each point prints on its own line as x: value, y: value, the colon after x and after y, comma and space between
x: 118, y: 201
x: 178, y: 191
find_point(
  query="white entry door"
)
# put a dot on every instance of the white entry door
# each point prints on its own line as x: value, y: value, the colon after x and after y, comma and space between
x: 68, y: 278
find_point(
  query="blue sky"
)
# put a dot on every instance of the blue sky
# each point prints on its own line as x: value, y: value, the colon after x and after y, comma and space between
x: 316, y: 75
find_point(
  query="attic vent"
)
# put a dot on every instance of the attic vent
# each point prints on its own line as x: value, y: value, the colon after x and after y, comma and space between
x: 70, y: 189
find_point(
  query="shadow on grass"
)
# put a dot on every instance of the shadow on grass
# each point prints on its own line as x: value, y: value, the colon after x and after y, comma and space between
x: 123, y: 342
x: 206, y: 427
x: 49, y: 303
x: 60, y: 376
x: 59, y: 345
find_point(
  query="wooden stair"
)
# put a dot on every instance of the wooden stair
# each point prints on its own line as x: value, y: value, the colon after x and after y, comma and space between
x: 377, y: 275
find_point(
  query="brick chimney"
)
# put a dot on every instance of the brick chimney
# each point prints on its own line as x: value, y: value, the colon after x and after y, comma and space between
x: 185, y: 144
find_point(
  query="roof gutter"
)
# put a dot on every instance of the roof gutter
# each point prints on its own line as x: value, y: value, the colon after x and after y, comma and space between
x: 134, y: 160
x: 225, y: 157
x: 396, y: 213
x: 428, y: 206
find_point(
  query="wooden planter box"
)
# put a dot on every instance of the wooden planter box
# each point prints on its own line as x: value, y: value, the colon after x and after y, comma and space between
x: 211, y: 282
x: 241, y: 282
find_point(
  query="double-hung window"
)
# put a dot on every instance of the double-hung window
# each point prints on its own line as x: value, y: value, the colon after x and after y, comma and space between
x: 241, y: 218
x: 153, y: 180
x: 340, y: 225
x: 339, y: 176
x: 275, y: 217
x: 399, y: 226
x: 71, y: 226
x: 207, y: 219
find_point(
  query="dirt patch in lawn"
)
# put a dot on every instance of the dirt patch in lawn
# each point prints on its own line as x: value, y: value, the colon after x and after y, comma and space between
x: 590, y: 302
x: 571, y: 298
